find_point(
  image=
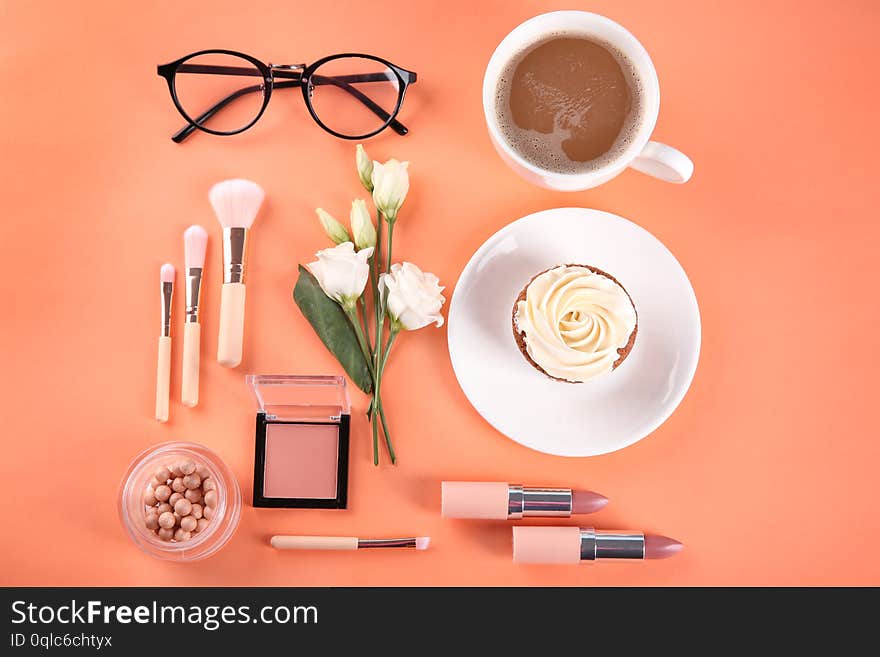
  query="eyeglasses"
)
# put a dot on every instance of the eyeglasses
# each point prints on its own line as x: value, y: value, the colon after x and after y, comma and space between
x: 351, y: 96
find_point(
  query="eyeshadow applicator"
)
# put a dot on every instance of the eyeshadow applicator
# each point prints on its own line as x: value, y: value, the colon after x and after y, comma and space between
x: 236, y: 203
x: 492, y: 500
x: 195, y: 241
x: 568, y: 545
x: 163, y: 367
x: 346, y: 542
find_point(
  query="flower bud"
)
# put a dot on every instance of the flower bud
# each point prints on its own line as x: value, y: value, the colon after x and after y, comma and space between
x: 364, y: 167
x: 335, y: 230
x: 390, y: 186
x: 362, y: 225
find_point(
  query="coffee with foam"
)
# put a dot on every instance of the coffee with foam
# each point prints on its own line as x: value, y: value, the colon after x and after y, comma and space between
x: 569, y: 103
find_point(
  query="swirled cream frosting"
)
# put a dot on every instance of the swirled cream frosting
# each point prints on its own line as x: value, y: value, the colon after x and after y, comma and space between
x: 573, y: 322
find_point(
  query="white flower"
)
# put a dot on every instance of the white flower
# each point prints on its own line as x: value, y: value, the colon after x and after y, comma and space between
x: 335, y: 230
x: 390, y: 185
x: 362, y: 225
x: 414, y: 298
x: 341, y: 272
x: 364, y: 167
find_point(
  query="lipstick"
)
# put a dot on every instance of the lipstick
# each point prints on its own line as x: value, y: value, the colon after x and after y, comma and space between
x: 490, y: 500
x: 567, y: 545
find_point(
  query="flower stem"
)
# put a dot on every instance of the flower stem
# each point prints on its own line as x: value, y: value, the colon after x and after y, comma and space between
x: 351, y: 312
x: 377, y: 400
x: 377, y: 297
x: 377, y: 405
x: 377, y: 253
x: 366, y: 325
x: 379, y: 371
x: 375, y: 435
x: 392, y: 334
x: 387, y: 435
x: 390, y: 241
x: 378, y: 357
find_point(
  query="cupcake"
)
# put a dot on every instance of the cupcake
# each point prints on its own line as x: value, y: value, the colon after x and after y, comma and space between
x: 574, y: 323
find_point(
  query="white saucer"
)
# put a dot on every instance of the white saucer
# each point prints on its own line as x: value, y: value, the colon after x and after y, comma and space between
x: 602, y: 415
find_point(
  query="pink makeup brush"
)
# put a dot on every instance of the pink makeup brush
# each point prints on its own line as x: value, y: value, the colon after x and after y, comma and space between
x: 163, y: 369
x: 492, y: 500
x: 195, y: 241
x: 558, y: 545
x: 236, y: 203
x: 346, y: 543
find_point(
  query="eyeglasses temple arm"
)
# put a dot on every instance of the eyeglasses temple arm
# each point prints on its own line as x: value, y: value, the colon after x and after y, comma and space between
x: 341, y: 81
x: 189, y: 128
x: 212, y: 69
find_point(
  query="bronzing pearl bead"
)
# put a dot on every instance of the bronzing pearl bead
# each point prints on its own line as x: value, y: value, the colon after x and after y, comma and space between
x: 167, y: 520
x: 183, y: 507
x: 162, y: 493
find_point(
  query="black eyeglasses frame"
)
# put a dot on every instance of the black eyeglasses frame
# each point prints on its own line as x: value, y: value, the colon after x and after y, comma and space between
x: 276, y: 76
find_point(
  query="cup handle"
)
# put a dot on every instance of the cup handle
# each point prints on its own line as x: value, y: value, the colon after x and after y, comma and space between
x: 664, y: 162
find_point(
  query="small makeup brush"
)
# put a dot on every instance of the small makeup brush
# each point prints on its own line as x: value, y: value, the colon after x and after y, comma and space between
x: 195, y: 241
x: 236, y: 203
x: 346, y: 542
x: 163, y: 368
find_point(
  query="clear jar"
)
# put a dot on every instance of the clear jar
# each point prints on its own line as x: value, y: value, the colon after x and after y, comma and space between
x: 131, y: 506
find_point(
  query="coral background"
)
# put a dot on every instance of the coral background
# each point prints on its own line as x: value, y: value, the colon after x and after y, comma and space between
x: 767, y: 471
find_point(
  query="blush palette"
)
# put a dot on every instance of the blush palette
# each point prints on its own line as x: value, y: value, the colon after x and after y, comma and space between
x: 301, y: 447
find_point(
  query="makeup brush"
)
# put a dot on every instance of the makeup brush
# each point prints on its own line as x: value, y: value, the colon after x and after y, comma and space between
x: 236, y: 203
x: 163, y: 368
x: 195, y: 240
x: 346, y: 542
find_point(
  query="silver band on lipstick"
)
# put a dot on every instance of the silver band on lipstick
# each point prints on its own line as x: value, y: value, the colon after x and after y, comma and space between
x: 611, y: 545
x: 193, y: 288
x: 167, y: 289
x: 386, y: 542
x: 234, y: 246
x: 525, y: 502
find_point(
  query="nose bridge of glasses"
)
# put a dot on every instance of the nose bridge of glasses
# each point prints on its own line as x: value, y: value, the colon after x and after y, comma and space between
x: 287, y: 70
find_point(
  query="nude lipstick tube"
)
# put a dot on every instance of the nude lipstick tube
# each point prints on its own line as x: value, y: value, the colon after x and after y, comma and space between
x: 568, y: 545
x: 484, y: 500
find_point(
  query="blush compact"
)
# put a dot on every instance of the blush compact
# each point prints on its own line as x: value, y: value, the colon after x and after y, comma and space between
x: 301, y: 443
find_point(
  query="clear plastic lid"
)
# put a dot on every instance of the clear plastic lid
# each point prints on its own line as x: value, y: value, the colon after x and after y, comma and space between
x: 291, y: 398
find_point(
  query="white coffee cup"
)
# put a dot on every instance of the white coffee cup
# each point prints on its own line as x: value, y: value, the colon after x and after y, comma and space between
x: 650, y: 157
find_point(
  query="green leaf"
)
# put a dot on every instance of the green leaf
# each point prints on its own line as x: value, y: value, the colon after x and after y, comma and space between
x: 332, y: 326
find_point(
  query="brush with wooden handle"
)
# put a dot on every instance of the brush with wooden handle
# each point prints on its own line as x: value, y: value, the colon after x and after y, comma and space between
x: 163, y: 368
x: 236, y: 203
x: 347, y: 542
x: 195, y: 241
